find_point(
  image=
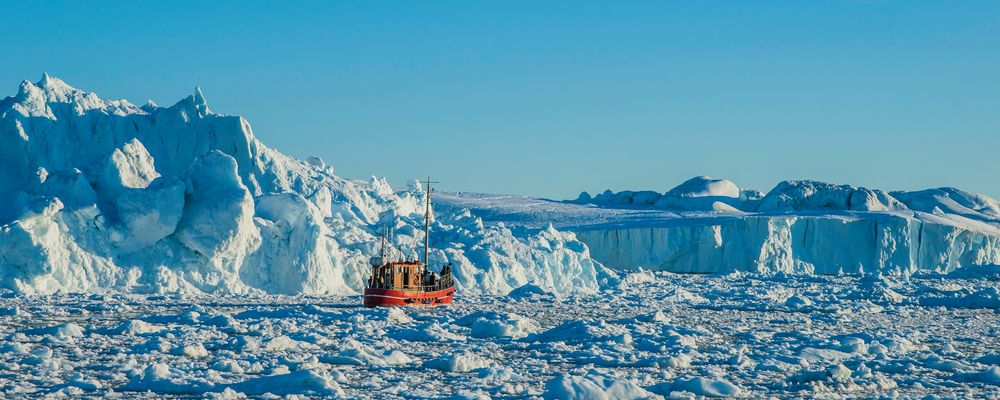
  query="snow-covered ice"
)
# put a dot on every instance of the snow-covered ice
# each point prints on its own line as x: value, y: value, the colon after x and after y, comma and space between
x: 746, y: 340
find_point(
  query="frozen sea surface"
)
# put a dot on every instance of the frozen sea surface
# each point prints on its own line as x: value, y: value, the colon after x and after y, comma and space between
x: 652, y: 336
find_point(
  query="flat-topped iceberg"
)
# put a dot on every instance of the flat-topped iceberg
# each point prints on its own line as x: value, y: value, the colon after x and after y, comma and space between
x: 710, y: 225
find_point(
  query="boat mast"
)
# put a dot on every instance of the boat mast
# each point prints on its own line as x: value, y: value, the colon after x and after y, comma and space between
x: 427, y: 224
x: 384, y: 234
x: 391, y: 235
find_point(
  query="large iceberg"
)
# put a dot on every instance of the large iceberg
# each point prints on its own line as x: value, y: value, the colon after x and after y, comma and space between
x: 101, y: 195
x: 710, y: 225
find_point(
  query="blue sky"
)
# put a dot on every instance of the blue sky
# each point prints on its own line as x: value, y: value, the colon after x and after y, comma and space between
x: 551, y: 98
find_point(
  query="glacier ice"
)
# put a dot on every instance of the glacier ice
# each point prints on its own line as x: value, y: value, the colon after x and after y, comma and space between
x: 101, y: 195
x: 701, y: 193
x: 812, y: 195
x: 217, y: 222
x: 798, y: 244
x: 710, y: 225
x: 298, y: 254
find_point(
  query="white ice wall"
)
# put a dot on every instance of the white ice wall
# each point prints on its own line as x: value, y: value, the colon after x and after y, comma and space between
x: 796, y: 244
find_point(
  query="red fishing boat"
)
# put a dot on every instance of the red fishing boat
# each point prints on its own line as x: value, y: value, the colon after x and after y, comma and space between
x: 408, y: 282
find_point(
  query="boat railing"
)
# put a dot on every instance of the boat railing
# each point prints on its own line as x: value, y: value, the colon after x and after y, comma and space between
x: 442, y: 283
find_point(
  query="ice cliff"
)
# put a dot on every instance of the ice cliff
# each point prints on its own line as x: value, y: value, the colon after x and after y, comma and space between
x: 711, y: 225
x: 101, y: 195
x: 831, y: 244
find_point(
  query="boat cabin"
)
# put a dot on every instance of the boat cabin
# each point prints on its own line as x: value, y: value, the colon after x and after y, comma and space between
x: 408, y: 275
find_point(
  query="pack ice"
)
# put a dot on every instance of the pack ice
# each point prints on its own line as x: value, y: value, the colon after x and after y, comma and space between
x: 102, y: 195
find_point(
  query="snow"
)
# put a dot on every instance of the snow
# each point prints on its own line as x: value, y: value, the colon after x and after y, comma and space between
x: 986, y: 298
x: 529, y: 290
x: 743, y: 340
x: 593, y: 386
x: 133, y: 327
x: 499, y: 325
x: 701, y: 193
x: 298, y: 382
x: 428, y: 332
x: 191, y: 351
x: 461, y: 362
x: 62, y: 331
x: 357, y: 353
x: 952, y: 201
x: 703, y: 387
x: 812, y: 195
x: 705, y: 186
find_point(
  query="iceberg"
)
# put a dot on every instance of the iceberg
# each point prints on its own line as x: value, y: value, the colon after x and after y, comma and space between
x: 708, y: 225
x: 101, y: 195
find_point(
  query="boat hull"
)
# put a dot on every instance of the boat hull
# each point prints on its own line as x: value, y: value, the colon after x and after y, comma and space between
x: 391, y: 298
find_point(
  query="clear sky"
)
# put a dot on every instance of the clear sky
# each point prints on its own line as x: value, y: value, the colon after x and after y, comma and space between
x: 552, y: 98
